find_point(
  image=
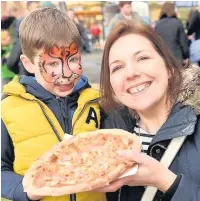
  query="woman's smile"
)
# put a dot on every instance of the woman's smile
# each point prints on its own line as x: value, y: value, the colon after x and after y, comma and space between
x: 137, y: 90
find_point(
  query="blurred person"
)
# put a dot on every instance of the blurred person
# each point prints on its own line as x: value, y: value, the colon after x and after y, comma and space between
x: 193, y: 32
x: 126, y: 13
x: 13, y: 61
x: 95, y: 31
x: 6, y: 17
x: 193, y: 23
x: 140, y: 74
x: 10, y: 11
x: 82, y: 31
x: 171, y: 30
x: 190, y: 37
x: 109, y: 10
x: 48, y: 4
x: 142, y: 8
x: 6, y: 46
x: 6, y: 21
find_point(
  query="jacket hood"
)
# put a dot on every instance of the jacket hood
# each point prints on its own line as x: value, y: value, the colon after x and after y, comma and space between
x: 190, y: 90
x: 181, y: 122
x: 28, y: 84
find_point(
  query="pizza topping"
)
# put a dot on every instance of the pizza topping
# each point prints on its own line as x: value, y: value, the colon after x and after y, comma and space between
x: 82, y: 160
x: 53, y: 158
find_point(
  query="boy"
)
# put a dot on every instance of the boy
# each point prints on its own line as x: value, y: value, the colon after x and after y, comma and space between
x: 38, y: 111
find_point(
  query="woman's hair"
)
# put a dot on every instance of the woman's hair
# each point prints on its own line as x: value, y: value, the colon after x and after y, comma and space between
x: 108, y: 100
x: 168, y: 10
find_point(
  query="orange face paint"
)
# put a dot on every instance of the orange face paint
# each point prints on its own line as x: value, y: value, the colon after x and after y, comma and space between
x: 61, y: 65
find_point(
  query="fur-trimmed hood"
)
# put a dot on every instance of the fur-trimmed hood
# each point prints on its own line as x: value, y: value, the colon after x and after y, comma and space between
x: 190, y: 90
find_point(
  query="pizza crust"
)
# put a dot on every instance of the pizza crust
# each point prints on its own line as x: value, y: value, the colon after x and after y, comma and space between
x: 79, y: 187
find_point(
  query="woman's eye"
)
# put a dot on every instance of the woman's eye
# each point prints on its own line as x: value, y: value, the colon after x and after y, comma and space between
x: 116, y: 68
x: 73, y: 60
x: 142, y: 58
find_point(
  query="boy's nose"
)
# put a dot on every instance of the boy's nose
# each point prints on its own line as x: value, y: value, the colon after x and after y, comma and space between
x: 66, y: 71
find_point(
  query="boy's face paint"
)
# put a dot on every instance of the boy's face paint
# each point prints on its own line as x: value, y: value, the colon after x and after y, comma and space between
x: 61, y: 69
x: 61, y: 65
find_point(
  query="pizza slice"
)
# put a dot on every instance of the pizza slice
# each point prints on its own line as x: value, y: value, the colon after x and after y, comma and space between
x: 84, y: 162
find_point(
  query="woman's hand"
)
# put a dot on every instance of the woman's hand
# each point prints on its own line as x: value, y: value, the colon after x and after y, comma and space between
x: 150, y: 173
x: 33, y: 197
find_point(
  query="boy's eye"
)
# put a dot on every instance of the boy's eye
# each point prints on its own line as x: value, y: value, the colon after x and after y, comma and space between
x: 142, y: 58
x: 74, y: 60
x: 54, y: 64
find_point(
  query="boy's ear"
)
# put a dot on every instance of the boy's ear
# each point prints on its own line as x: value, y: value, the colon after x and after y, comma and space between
x: 28, y: 65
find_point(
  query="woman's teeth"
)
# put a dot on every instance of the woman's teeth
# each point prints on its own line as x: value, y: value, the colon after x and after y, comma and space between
x: 139, y: 88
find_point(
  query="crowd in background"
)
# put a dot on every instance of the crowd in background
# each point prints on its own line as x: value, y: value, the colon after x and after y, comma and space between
x: 184, y: 42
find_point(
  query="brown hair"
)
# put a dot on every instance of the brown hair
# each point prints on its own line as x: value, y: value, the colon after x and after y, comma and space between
x: 168, y: 10
x: 45, y: 28
x: 108, y: 100
x: 122, y: 3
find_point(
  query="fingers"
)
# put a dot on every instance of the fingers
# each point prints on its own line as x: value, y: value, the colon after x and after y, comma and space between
x: 112, y: 187
x: 132, y: 155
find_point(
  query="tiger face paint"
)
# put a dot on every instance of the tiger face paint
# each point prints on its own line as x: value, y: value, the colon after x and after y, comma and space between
x: 61, y: 68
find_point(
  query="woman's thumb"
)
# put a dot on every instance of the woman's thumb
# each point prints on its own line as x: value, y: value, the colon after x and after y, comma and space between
x: 131, y: 155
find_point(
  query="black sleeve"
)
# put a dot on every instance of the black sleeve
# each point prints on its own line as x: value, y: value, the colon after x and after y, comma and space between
x: 120, y: 119
x: 14, y: 57
x: 113, y: 120
x: 183, y: 41
x: 193, y: 23
x: 170, y: 192
x: 11, y: 183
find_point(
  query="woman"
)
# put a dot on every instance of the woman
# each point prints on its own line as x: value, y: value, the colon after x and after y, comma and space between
x: 193, y: 23
x: 193, y: 28
x: 139, y: 72
x: 171, y: 30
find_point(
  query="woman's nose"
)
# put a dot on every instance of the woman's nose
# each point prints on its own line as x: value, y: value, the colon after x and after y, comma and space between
x: 132, y: 70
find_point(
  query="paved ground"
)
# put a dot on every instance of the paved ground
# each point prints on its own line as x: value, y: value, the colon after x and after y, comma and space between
x: 92, y: 66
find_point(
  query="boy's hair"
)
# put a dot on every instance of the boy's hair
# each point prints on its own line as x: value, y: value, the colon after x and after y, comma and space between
x: 44, y: 28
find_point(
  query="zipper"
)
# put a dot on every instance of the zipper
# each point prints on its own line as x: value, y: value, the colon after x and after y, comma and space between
x: 73, y: 196
x: 50, y: 122
x: 119, y: 194
x: 85, y: 105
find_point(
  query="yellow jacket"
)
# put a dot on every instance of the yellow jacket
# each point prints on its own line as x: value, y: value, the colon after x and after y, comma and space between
x: 34, y: 129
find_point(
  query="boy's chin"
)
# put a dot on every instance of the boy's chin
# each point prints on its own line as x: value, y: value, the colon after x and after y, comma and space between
x: 63, y: 93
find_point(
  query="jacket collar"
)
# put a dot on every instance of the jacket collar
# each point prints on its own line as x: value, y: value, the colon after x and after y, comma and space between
x: 181, y: 122
x: 15, y: 88
x: 28, y: 88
